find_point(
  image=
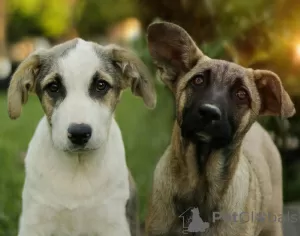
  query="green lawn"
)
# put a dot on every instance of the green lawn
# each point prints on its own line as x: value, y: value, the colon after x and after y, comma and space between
x: 146, y: 134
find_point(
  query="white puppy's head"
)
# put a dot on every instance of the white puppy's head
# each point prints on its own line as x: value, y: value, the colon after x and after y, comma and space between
x: 79, y: 84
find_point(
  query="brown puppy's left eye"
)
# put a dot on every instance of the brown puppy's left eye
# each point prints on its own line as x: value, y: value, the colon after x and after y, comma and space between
x: 241, y: 94
x: 101, y: 85
x: 198, y: 80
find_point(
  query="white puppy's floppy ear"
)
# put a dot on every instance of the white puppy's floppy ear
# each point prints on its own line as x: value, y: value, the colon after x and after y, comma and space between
x: 274, y: 99
x: 22, y: 82
x: 135, y: 72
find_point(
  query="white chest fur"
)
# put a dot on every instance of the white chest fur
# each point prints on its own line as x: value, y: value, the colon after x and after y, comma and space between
x: 69, y: 195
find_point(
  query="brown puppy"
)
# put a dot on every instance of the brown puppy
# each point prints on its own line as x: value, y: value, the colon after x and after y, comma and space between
x: 220, y: 161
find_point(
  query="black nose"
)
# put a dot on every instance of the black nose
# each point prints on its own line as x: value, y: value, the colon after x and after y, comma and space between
x: 209, y: 112
x: 79, y: 133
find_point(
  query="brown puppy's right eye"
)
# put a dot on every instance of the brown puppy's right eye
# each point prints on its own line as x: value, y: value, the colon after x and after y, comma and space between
x: 53, y: 87
x: 198, y: 80
x: 241, y: 94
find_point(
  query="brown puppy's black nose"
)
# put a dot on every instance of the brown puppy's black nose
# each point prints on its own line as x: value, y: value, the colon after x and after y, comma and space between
x: 79, y: 134
x: 209, y: 113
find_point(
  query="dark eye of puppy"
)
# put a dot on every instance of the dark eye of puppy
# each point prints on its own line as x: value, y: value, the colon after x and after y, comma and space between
x: 241, y: 96
x: 101, y: 85
x: 198, y: 80
x: 53, y: 87
x: 201, y: 80
x: 98, y: 87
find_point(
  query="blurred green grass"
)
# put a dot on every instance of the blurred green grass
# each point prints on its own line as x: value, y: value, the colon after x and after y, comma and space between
x: 146, y: 133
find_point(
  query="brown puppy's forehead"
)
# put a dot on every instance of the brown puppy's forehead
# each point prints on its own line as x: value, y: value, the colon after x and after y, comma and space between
x: 221, y: 73
x: 221, y: 70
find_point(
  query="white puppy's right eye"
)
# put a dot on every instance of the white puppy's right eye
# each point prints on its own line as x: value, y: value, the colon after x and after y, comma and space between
x: 98, y: 87
x: 101, y: 85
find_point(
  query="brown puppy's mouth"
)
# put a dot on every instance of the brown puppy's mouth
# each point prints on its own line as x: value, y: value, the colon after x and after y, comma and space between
x: 217, y: 134
x: 203, y: 137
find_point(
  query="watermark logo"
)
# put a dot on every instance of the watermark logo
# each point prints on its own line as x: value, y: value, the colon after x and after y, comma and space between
x: 192, y: 222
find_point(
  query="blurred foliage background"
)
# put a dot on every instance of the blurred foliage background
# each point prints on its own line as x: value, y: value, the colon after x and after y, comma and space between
x: 258, y: 33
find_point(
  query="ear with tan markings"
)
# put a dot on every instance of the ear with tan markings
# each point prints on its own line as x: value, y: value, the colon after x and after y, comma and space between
x: 22, y: 82
x: 137, y: 74
x: 274, y: 99
x: 172, y: 49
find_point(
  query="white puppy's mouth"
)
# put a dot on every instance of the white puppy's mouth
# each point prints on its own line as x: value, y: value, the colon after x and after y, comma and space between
x: 203, y: 137
x: 80, y: 149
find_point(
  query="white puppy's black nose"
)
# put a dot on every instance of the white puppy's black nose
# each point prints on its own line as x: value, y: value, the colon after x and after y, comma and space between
x: 79, y: 134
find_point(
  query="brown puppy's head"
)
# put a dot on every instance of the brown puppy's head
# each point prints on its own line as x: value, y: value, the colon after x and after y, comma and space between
x: 216, y: 101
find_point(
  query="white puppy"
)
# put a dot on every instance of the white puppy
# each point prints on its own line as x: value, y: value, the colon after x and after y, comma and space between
x: 77, y: 181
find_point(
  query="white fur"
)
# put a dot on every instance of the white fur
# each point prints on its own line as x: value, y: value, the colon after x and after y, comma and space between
x: 67, y: 193
x: 77, y: 69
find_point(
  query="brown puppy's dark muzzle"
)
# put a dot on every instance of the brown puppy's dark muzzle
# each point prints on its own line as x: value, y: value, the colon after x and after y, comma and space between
x: 208, y: 124
x: 209, y: 113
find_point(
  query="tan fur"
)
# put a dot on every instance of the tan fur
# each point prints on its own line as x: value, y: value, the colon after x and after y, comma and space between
x: 265, y: 78
x: 253, y: 182
x: 137, y: 73
x: 112, y: 98
x: 21, y: 84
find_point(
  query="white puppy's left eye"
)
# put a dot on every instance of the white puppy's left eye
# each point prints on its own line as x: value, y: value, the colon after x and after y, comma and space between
x: 101, y: 85
x: 53, y: 87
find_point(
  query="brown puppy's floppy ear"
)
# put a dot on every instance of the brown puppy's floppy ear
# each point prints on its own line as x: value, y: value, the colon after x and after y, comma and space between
x: 22, y: 82
x: 136, y: 74
x: 172, y: 49
x: 274, y: 98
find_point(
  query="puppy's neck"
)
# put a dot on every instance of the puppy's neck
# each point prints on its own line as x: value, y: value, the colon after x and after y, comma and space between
x: 202, y: 164
x: 202, y: 176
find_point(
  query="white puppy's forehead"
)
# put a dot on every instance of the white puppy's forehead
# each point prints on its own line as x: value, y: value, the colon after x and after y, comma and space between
x: 72, y: 71
x: 79, y: 63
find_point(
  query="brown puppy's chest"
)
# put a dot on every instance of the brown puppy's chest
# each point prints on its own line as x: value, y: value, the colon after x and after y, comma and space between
x: 243, y: 194
x: 183, y: 204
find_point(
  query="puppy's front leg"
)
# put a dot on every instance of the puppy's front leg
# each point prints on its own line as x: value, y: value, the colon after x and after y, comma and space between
x: 160, y: 217
x: 132, y: 209
x: 32, y: 231
x: 117, y: 230
x: 35, y: 220
x: 28, y: 233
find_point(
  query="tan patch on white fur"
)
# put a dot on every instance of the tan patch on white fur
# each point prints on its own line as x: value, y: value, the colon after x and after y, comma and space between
x: 49, y: 78
x: 48, y: 106
x: 112, y: 97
